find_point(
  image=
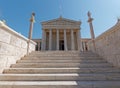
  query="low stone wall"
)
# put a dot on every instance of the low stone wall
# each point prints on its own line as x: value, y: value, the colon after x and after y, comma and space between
x: 13, y: 46
x: 108, y: 45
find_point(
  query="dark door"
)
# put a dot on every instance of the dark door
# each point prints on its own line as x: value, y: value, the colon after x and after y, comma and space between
x: 61, y: 45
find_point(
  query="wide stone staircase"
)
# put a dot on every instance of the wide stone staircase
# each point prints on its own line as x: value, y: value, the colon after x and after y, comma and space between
x: 61, y: 69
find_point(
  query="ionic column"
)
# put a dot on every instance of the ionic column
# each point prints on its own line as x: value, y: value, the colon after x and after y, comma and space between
x: 57, y: 39
x: 72, y: 40
x: 65, y: 40
x: 78, y: 39
x: 50, y: 39
x: 43, y: 40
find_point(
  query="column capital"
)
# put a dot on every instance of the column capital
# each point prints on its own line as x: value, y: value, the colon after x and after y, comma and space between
x: 90, y: 20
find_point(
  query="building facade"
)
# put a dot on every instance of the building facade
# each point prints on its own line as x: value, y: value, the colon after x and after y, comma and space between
x: 61, y: 34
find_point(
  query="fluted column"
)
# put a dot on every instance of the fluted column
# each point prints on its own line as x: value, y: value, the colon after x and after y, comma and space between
x: 45, y: 41
x: 72, y: 40
x: 43, y: 45
x: 78, y: 39
x: 65, y: 40
x: 57, y: 39
x: 50, y: 39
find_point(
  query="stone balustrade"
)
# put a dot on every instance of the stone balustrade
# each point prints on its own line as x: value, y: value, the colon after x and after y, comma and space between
x: 108, y: 45
x: 13, y: 46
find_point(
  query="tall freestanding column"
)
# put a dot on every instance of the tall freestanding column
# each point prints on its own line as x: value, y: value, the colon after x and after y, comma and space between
x: 50, y: 39
x: 32, y: 20
x: 65, y: 40
x: 72, y: 40
x: 57, y: 39
x: 91, y: 25
x: 90, y: 19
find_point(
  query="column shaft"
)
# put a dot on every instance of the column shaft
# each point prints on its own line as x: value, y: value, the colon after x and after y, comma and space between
x: 72, y: 40
x: 43, y: 40
x: 50, y: 39
x: 78, y: 40
x: 65, y: 40
x: 57, y: 39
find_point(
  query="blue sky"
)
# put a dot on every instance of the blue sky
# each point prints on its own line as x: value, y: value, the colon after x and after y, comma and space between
x: 17, y: 14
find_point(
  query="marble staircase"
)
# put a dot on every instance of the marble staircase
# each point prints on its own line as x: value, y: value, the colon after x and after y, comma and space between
x: 61, y: 69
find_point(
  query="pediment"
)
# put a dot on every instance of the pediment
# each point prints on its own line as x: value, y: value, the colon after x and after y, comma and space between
x: 61, y: 21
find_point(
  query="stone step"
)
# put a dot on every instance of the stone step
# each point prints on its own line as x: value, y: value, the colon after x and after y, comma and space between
x: 63, y: 52
x: 60, y: 55
x: 60, y: 77
x: 62, y: 58
x: 76, y: 53
x: 59, y: 61
x: 60, y: 84
x: 52, y: 55
x: 34, y: 52
x: 46, y: 65
x: 60, y: 70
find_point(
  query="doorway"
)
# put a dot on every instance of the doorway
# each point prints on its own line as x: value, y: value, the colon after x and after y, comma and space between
x: 61, y: 44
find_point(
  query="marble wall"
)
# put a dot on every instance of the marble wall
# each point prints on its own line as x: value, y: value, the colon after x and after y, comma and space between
x: 108, y: 45
x: 13, y: 46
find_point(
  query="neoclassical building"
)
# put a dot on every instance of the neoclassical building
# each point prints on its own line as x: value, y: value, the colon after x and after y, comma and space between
x: 61, y: 34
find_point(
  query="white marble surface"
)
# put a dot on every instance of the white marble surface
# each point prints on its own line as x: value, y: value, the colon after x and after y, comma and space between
x: 13, y: 46
x: 108, y: 45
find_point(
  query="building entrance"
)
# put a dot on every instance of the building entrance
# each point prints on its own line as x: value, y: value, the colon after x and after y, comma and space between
x: 61, y: 45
